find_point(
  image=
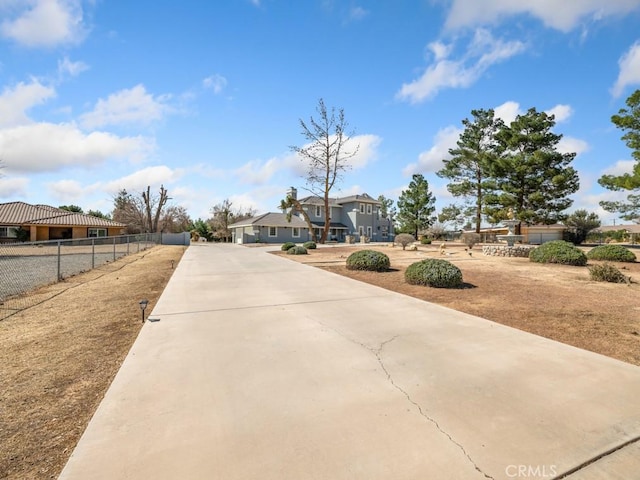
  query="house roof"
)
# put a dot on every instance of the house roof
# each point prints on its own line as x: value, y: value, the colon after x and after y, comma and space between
x: 331, y: 225
x: 339, y: 201
x: 21, y: 213
x: 632, y: 228
x: 271, y: 220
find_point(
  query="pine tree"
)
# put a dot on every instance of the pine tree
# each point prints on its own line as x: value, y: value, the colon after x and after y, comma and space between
x: 533, y: 179
x: 469, y: 168
x: 416, y: 206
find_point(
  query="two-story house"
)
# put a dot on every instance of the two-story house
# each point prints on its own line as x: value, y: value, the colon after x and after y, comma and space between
x: 356, y: 216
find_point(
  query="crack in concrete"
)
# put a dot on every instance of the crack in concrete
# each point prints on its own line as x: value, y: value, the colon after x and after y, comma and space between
x: 377, y: 352
x: 596, y: 458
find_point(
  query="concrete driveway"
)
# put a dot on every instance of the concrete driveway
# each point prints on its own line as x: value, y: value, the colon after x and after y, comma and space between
x: 257, y: 367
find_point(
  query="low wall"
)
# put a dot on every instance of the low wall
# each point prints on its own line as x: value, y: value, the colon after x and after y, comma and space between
x: 506, y: 251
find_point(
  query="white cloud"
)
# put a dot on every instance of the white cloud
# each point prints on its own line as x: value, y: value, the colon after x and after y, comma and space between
x: 508, y: 111
x: 49, y: 147
x: 12, y: 187
x: 215, y: 82
x: 620, y: 168
x: 431, y: 160
x: 629, y: 70
x: 560, y: 112
x: 563, y: 15
x: 44, y: 23
x: 482, y: 52
x: 572, y: 145
x: 357, y: 13
x: 67, y: 191
x: 138, y: 181
x: 258, y: 172
x: 367, y: 150
x: 16, y: 101
x: 128, y: 106
x: 73, y: 69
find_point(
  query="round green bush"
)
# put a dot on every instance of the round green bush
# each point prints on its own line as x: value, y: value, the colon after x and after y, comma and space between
x: 612, y: 253
x: 433, y: 272
x: 297, y: 250
x: 370, y: 260
x: 309, y: 245
x: 558, y: 251
x: 607, y: 273
x: 286, y: 246
x: 425, y: 241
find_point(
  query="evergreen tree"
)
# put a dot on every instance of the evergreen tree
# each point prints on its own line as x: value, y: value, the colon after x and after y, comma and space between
x: 533, y: 179
x: 469, y: 168
x: 416, y: 206
x: 628, y: 120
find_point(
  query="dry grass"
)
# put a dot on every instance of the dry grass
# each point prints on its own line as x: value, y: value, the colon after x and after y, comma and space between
x: 58, y: 358
x: 554, y: 301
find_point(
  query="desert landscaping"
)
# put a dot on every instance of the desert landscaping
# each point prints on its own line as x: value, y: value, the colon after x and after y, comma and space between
x: 58, y: 357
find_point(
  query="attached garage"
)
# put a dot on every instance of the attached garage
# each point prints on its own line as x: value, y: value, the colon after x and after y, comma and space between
x: 539, y: 234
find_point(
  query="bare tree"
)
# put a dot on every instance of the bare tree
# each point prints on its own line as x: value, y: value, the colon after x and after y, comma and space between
x: 140, y: 214
x: 224, y: 215
x: 129, y: 210
x: 325, y: 155
x: 151, y: 203
x: 175, y: 220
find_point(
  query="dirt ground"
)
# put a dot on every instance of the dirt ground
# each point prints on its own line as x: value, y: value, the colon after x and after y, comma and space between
x: 554, y: 301
x: 58, y: 358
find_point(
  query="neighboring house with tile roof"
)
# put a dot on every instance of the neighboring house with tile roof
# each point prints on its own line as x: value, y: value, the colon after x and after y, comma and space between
x: 355, y: 216
x: 43, y: 222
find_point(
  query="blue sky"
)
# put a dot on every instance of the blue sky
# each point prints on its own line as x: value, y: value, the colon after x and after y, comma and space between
x: 205, y: 97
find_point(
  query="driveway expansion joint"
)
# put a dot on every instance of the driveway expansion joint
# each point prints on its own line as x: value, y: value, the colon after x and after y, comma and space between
x: 596, y: 458
x: 377, y: 352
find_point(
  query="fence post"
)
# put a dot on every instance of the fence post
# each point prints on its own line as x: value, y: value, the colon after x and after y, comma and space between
x: 59, y: 272
x: 93, y: 253
x: 127, y: 244
x: 114, y: 249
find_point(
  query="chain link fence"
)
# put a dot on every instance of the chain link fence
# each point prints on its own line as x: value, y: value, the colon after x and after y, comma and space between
x: 25, y: 267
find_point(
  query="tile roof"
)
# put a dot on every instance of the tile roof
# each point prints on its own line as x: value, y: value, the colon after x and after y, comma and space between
x: 21, y: 213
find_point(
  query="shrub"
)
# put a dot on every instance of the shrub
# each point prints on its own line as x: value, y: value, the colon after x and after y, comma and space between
x: 607, y: 273
x: 558, y: 251
x: 287, y: 246
x: 470, y: 239
x: 370, y: 260
x: 309, y: 245
x: 433, y: 272
x: 404, y: 239
x: 297, y: 250
x: 425, y: 241
x: 612, y: 253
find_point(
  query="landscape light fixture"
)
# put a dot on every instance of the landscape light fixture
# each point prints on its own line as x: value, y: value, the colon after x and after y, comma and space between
x: 143, y: 306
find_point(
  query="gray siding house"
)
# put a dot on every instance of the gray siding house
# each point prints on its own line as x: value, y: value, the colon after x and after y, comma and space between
x: 270, y: 228
x: 356, y: 216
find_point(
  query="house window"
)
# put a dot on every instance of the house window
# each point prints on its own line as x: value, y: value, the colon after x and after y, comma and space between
x: 318, y: 211
x: 361, y: 230
x: 295, y: 232
x: 273, y: 231
x: 369, y: 232
x: 369, y: 209
x: 362, y: 208
x: 97, y: 232
x: 8, y: 232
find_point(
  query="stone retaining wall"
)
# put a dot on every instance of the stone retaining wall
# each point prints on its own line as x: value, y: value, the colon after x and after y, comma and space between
x: 506, y: 251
